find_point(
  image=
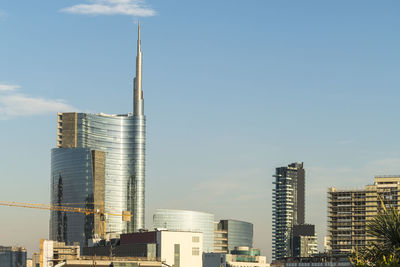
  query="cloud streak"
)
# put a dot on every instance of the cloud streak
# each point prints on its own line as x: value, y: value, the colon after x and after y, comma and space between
x: 17, y: 104
x: 137, y: 8
x: 8, y: 87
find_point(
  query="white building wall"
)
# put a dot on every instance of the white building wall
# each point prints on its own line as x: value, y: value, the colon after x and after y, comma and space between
x: 46, y: 253
x: 191, y: 248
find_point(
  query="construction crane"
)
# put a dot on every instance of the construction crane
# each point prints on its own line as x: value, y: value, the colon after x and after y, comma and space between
x: 126, y: 215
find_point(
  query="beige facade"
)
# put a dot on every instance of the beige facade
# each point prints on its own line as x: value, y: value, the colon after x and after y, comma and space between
x: 181, y: 249
x: 349, y: 211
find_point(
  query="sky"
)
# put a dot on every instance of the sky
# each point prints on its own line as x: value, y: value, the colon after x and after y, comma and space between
x: 232, y: 89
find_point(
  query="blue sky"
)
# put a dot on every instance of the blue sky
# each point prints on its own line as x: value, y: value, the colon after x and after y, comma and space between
x: 232, y: 90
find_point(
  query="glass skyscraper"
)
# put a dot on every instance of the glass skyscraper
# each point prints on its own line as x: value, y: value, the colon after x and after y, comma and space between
x: 99, y: 161
x: 287, y: 205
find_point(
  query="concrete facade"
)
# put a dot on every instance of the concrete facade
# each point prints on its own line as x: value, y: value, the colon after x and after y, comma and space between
x: 349, y: 212
x: 53, y: 252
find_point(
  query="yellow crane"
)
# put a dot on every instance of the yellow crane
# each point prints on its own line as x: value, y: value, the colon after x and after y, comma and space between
x: 126, y: 215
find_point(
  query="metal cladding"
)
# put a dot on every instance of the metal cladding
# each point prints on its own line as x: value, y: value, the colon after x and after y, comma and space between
x: 138, y: 179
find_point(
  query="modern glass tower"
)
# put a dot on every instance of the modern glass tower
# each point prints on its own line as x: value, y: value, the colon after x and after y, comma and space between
x: 100, y: 160
x: 238, y: 234
x: 287, y: 205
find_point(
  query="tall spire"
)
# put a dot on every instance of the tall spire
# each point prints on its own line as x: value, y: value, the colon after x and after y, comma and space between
x: 137, y: 88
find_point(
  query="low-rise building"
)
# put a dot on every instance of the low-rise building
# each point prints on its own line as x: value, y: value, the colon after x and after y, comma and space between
x: 239, y: 257
x: 53, y: 252
x: 319, y: 260
x: 174, y: 248
x: 12, y: 257
x: 109, y: 262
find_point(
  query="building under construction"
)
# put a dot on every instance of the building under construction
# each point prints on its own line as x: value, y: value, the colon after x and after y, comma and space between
x: 349, y: 212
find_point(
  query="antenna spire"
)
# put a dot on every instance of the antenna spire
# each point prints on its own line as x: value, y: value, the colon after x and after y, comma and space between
x: 138, y: 93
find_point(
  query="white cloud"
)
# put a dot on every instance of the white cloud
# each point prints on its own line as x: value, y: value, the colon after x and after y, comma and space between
x: 16, y: 104
x: 8, y: 87
x: 136, y: 8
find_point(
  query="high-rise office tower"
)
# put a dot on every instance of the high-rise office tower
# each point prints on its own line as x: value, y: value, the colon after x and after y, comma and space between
x: 99, y: 161
x: 287, y: 205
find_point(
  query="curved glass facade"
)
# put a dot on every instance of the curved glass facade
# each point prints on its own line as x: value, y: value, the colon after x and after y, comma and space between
x: 122, y: 138
x: 240, y: 234
x: 71, y: 183
x: 186, y: 220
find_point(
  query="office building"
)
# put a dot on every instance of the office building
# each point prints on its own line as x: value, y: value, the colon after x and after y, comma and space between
x: 349, y: 212
x: 229, y: 234
x: 186, y: 220
x: 238, y: 257
x: 303, y: 240
x: 174, y: 248
x: 12, y: 256
x: 99, y: 163
x: 288, y: 206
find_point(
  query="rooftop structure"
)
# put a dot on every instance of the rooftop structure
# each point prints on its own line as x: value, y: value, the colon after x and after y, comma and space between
x: 239, y: 257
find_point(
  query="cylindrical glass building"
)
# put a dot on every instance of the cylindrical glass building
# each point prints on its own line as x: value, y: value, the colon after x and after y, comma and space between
x: 187, y: 220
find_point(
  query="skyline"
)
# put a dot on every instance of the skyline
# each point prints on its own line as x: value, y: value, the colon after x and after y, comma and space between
x: 335, y: 81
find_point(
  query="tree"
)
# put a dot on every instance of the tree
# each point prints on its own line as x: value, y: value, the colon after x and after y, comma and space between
x: 385, y: 250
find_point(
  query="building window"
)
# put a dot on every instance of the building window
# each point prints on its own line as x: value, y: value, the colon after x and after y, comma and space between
x: 177, y: 255
x: 195, y: 239
x: 195, y: 251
